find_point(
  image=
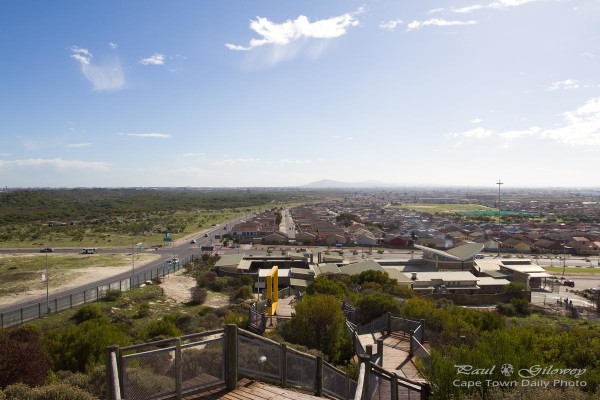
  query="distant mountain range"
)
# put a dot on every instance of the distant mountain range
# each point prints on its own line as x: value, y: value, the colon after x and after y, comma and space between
x: 331, y: 184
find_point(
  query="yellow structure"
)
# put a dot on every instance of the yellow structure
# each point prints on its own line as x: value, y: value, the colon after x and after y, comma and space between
x: 272, y: 290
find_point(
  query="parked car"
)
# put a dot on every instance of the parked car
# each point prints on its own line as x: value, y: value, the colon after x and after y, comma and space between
x: 206, y: 235
x: 569, y: 283
x: 47, y: 250
x: 193, y: 241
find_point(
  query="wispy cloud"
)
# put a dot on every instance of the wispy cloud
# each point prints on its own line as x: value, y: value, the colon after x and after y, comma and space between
x: 231, y: 161
x: 390, y: 25
x: 281, y: 34
x: 146, y: 135
x: 288, y: 161
x: 57, y: 163
x: 435, y: 10
x: 477, y: 133
x: 563, y: 85
x: 193, y: 154
x: 438, y: 22
x: 496, y: 5
x: 78, y: 145
x: 106, y: 77
x: 476, y: 121
x: 534, y: 130
x: 5, y: 154
x: 154, y: 59
x: 112, y: 45
x: 582, y: 126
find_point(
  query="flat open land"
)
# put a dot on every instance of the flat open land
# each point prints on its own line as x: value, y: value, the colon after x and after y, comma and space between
x: 443, y: 208
x: 21, y: 275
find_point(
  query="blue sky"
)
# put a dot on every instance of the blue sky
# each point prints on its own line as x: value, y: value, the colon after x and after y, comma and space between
x: 281, y: 93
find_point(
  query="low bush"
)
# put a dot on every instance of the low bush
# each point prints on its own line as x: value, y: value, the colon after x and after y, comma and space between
x: 87, y: 312
x: 199, y: 295
x: 112, y: 295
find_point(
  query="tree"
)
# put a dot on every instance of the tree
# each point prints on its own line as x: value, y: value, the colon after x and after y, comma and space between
x: 318, y: 323
x: 323, y: 285
x: 22, y: 357
x: 375, y: 305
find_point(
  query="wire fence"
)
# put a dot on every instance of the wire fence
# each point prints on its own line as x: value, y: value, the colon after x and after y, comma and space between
x: 173, y: 366
x: 58, y: 303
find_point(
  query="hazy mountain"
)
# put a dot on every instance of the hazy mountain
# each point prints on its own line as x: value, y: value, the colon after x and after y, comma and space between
x: 328, y: 183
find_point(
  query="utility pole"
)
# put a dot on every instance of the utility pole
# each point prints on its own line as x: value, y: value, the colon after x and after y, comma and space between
x: 47, y: 284
x: 499, y: 183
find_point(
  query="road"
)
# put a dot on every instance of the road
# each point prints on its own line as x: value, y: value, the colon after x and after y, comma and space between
x: 180, y: 251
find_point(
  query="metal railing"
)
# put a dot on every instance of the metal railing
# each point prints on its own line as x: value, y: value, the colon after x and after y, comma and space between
x: 175, y: 367
x: 21, y: 315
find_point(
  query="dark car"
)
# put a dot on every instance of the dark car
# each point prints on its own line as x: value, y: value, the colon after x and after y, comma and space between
x: 47, y: 250
x: 569, y: 283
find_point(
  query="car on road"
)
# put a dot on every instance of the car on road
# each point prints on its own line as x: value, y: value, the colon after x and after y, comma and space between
x: 193, y: 241
x: 47, y: 250
x: 479, y: 256
x: 569, y: 283
x: 206, y: 235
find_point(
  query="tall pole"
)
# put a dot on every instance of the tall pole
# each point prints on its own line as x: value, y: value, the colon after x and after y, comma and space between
x: 132, y: 263
x: 499, y: 183
x: 47, y: 285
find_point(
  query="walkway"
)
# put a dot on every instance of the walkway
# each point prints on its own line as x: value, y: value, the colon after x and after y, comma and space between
x: 395, y: 354
x: 248, y: 389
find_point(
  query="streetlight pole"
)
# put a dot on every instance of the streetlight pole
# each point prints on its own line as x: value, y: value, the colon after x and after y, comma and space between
x: 564, y: 258
x: 499, y: 183
x: 47, y: 284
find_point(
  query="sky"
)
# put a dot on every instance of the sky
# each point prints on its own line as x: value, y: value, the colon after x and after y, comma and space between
x: 283, y: 93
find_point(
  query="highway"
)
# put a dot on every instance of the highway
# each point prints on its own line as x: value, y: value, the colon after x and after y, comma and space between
x: 180, y: 251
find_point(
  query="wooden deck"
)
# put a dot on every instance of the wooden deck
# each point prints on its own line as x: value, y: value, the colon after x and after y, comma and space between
x: 252, y: 390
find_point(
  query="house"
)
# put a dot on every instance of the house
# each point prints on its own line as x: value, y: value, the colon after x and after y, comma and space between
x: 583, y: 246
x: 398, y: 241
x: 275, y: 238
x: 516, y: 245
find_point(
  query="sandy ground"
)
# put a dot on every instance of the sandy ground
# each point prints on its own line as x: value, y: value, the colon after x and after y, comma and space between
x: 178, y: 287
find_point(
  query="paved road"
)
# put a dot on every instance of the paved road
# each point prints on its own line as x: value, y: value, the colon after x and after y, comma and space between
x: 180, y: 251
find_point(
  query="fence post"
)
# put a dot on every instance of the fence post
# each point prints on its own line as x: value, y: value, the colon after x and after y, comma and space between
x: 389, y: 323
x: 21, y: 315
x: 394, y: 385
x: 122, y: 374
x: 425, y: 391
x: 423, y: 331
x: 263, y: 322
x: 380, y: 351
x: 109, y: 372
x: 369, y: 349
x: 56, y: 304
x: 283, y: 366
x: 84, y: 296
x: 231, y: 348
x: 411, y: 351
x: 178, y: 367
x: 97, y: 293
x: 71, y: 300
x: 319, y: 379
x: 366, y: 359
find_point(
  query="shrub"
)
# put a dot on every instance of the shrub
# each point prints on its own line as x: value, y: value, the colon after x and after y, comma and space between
x: 61, y: 391
x: 146, y: 384
x: 376, y: 304
x: 240, y: 319
x: 87, y: 312
x: 242, y: 293
x: 23, y: 358
x: 162, y: 328
x: 112, y: 295
x: 199, y: 295
x: 18, y: 391
x: 324, y: 285
x: 143, y: 311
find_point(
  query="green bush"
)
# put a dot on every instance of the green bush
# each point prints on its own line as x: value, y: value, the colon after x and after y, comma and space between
x: 112, y: 295
x: 242, y: 293
x: 375, y: 305
x: 324, y: 285
x: 145, y: 384
x: 19, y: 391
x: 81, y: 347
x: 61, y: 391
x: 143, y: 311
x: 23, y: 358
x: 160, y: 329
x: 240, y: 319
x: 87, y: 312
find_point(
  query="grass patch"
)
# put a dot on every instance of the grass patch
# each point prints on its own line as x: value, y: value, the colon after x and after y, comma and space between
x: 442, y: 208
x: 583, y: 270
x: 24, y: 272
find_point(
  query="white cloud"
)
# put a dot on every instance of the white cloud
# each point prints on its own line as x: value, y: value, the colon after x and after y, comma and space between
x: 146, y: 135
x: 582, y: 126
x: 390, y: 25
x: 438, y: 22
x: 566, y: 84
x: 193, y: 154
x: 496, y: 5
x: 57, y: 163
x: 435, y: 10
x: 106, y: 77
x: 112, y: 45
x: 154, y: 59
x: 78, y: 145
x: 82, y: 55
x: 293, y: 30
x: 534, y: 130
x: 231, y: 161
x: 477, y: 133
x: 476, y: 121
